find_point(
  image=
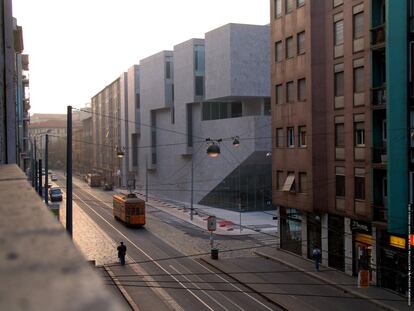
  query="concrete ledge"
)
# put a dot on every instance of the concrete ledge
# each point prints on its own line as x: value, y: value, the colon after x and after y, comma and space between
x: 40, y: 268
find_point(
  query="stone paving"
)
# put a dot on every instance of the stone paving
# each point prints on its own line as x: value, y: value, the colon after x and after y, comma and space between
x: 89, y: 238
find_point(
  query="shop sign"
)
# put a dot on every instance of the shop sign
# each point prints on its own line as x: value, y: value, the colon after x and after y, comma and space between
x: 411, y: 239
x: 397, y: 241
x: 211, y: 223
x: 360, y: 226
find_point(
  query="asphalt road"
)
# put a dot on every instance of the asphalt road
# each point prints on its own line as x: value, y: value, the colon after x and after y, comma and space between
x: 157, y: 275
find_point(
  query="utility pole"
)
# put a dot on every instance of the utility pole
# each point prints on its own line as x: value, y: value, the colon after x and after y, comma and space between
x: 69, y: 172
x: 192, y: 188
x: 410, y: 206
x: 146, y: 178
x: 39, y: 189
x: 46, y: 169
x: 32, y: 166
x: 35, y: 166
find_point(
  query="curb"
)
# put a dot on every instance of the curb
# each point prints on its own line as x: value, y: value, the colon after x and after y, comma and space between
x: 278, y: 304
x: 320, y: 278
x: 124, y: 293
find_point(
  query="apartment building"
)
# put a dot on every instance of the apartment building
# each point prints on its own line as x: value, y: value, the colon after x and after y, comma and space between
x: 106, y: 136
x: 217, y: 88
x: 333, y: 114
x: 14, y: 85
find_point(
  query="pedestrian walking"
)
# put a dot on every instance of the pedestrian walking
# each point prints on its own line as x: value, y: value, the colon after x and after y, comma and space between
x: 316, y: 253
x: 122, y: 253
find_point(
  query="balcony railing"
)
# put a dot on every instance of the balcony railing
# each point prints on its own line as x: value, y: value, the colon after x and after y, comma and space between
x: 378, y: 36
x: 378, y: 96
x: 379, y: 155
x: 380, y: 213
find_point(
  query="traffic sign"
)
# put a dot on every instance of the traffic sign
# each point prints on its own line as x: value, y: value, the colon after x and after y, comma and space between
x: 211, y: 223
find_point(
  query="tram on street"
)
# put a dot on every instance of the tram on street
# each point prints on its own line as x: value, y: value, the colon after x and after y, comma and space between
x: 129, y: 209
x: 94, y: 180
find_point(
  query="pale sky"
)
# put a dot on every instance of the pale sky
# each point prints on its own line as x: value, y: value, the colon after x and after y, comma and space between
x: 77, y: 47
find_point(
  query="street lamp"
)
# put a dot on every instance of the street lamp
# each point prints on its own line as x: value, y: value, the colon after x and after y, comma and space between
x: 213, y: 149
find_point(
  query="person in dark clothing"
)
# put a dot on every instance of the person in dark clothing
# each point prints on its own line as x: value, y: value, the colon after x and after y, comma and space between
x: 122, y: 253
x: 316, y: 253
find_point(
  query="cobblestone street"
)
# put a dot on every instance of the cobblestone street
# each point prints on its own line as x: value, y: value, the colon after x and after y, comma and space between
x: 89, y: 238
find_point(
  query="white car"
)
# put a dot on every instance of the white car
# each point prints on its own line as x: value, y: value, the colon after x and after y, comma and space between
x: 54, y: 178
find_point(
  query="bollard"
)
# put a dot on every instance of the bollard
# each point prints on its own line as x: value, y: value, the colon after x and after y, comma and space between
x: 214, y: 253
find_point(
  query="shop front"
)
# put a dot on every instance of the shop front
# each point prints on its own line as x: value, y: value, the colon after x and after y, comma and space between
x: 361, y: 247
x: 291, y: 230
x: 336, y: 243
x: 392, y: 262
x: 314, y: 233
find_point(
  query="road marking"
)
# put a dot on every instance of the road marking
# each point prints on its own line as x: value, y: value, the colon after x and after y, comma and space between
x: 240, y: 290
x: 234, y: 286
x: 118, y: 284
x: 148, y: 256
x: 199, y: 278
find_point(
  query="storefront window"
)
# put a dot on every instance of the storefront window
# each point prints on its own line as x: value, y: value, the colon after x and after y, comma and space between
x: 336, y: 244
x: 314, y: 233
x: 291, y: 230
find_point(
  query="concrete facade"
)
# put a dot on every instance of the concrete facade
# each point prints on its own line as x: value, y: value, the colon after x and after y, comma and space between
x: 172, y: 133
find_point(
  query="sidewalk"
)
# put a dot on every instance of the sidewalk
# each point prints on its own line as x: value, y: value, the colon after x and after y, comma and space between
x: 381, y: 297
x: 228, y: 222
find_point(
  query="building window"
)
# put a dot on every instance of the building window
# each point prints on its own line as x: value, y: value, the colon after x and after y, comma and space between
x: 289, y: 47
x: 134, y: 149
x: 199, y: 85
x: 359, y: 182
x: 302, y: 136
x: 337, y: 2
x: 279, y: 137
x: 168, y: 70
x: 358, y: 21
x: 137, y: 101
x: 279, y: 94
x: 302, y: 183
x: 278, y: 51
x: 339, y: 135
x: 290, y: 91
x: 290, y: 137
x: 221, y: 110
x: 358, y: 80
x: 288, y: 6
x: 299, y: 3
x: 290, y: 182
x: 267, y: 107
x: 278, y: 8
x: 359, y: 128
x: 339, y: 32
x: 279, y: 180
x: 339, y: 84
x: 301, y: 90
x: 301, y: 43
x: 340, y: 182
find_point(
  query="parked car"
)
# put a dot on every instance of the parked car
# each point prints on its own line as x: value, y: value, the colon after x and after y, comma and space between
x: 54, y: 177
x: 55, y: 194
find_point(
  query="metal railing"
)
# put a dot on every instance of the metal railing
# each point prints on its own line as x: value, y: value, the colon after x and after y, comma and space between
x: 380, y: 213
x: 378, y: 96
x: 378, y: 35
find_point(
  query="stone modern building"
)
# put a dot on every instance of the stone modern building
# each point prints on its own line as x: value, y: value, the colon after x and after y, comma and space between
x: 216, y: 88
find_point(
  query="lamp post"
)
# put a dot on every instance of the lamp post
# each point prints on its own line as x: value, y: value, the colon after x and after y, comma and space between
x: 120, y: 154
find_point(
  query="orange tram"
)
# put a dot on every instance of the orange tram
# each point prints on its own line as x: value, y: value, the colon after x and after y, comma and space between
x: 129, y: 209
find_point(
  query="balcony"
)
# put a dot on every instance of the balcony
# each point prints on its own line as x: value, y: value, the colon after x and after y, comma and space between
x: 380, y: 213
x: 378, y: 97
x: 379, y: 157
x: 378, y: 37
